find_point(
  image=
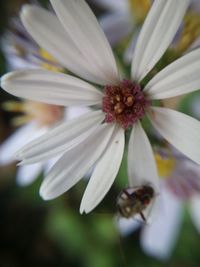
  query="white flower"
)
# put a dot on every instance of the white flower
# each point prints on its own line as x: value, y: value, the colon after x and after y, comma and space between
x: 76, y: 40
x: 181, y: 186
x: 22, y: 52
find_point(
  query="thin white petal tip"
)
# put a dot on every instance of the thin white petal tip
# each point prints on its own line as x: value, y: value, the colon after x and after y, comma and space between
x: 44, y: 194
x: 85, y: 210
x: 81, y: 211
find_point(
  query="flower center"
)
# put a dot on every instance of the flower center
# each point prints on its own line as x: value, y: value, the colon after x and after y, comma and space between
x: 124, y: 103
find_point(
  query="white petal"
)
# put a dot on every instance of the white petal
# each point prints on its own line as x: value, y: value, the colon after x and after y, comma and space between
x: 181, y: 130
x: 141, y: 163
x: 76, y: 111
x: 180, y: 77
x: 157, y: 33
x: 158, y: 239
x: 142, y: 168
x: 27, y: 174
x: 18, y: 139
x: 104, y: 173
x: 50, y: 87
x: 61, y: 138
x: 49, y: 33
x: 195, y: 211
x: 82, y: 27
x: 74, y: 164
x: 49, y: 164
x: 127, y: 226
x: 116, y: 26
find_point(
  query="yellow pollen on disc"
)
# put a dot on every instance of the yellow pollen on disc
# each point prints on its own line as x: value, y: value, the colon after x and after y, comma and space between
x: 118, y: 98
x: 190, y: 32
x: 129, y: 101
x: 48, y: 66
x: 119, y: 108
x: 139, y: 9
x: 165, y: 166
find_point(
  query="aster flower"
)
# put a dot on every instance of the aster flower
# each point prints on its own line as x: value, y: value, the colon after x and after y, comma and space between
x: 76, y: 41
x: 35, y: 120
x: 21, y: 51
x: 180, y: 185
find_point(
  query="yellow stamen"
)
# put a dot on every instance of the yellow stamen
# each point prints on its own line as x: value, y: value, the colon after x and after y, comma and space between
x: 139, y: 9
x: 43, y: 114
x: 165, y: 166
x: 13, y: 106
x: 190, y: 32
x: 48, y: 66
x: 20, y: 120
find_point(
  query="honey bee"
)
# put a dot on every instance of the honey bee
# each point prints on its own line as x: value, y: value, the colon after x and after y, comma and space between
x: 134, y: 200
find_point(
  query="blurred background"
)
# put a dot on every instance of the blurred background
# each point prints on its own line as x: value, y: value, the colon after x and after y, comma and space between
x: 38, y: 233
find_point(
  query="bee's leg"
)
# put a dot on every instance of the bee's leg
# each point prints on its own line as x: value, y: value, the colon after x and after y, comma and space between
x: 143, y: 218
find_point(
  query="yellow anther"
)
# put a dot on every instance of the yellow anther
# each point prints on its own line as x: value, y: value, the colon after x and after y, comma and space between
x: 165, y: 166
x: 48, y: 66
x: 139, y: 9
x: 190, y: 32
x: 118, y: 98
x: 119, y: 108
x: 129, y: 101
x: 13, y: 106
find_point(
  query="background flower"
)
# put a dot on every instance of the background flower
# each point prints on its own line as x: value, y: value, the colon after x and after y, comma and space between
x: 180, y: 185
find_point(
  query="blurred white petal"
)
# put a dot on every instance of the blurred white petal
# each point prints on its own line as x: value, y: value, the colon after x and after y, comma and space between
x: 50, y: 87
x: 180, y: 77
x: 27, y: 174
x: 158, y: 239
x: 181, y: 130
x: 104, y: 172
x: 157, y: 33
x: 83, y: 28
x: 73, y: 165
x: 19, y: 138
x: 76, y: 111
x: 127, y: 226
x: 61, y: 138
